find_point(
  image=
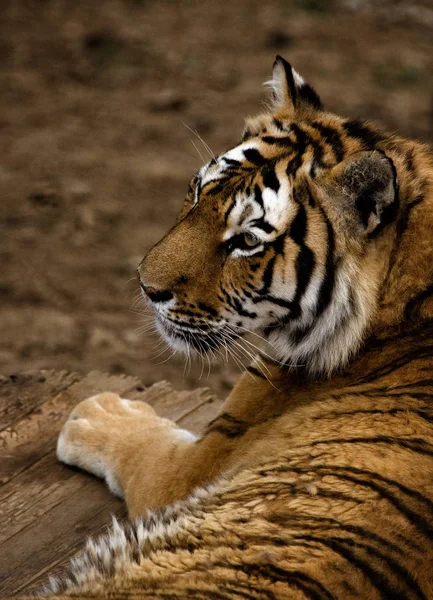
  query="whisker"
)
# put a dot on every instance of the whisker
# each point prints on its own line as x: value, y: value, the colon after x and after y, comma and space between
x: 130, y: 279
x: 198, y: 151
x: 263, y: 339
x: 205, y: 145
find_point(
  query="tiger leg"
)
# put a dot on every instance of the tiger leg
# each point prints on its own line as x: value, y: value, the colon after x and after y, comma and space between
x: 149, y: 460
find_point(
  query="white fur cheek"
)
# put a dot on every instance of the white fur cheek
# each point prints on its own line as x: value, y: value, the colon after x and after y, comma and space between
x: 174, y: 342
x: 335, y: 335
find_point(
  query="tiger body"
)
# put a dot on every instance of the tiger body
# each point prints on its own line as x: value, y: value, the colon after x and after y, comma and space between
x: 316, y: 479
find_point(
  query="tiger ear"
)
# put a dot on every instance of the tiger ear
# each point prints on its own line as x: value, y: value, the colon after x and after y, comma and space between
x: 290, y: 91
x: 367, y: 185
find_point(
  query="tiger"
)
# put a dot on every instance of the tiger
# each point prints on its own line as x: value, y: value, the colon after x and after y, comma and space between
x: 315, y: 480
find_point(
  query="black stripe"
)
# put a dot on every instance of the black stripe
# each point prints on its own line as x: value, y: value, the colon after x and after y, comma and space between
x: 321, y: 493
x: 270, y: 179
x: 302, y: 139
x: 228, y: 417
x: 376, y: 578
x: 278, y: 301
x: 258, y: 196
x: 393, y: 412
x: 304, y: 266
x: 228, y: 425
x: 241, y: 310
x: 217, y: 188
x: 346, y: 547
x: 256, y: 372
x: 305, y: 263
x: 309, y: 95
x: 278, y: 124
x: 231, y: 161
x: 198, y: 188
x: 317, y: 162
x: 254, y: 156
x: 306, y: 521
x: 332, y: 138
x: 327, y: 285
x: 358, y: 532
x: 262, y: 224
x: 377, y: 483
x: 411, y: 334
x: 298, y: 228
x: 228, y: 430
x: 419, y: 445
x: 311, y: 588
x: 228, y: 211
x: 363, y: 133
x: 278, y: 247
x: 228, y: 298
x: 201, y: 326
x: 412, y: 355
x: 311, y: 199
x: 208, y: 309
x: 278, y: 141
x: 246, y: 135
x: 236, y: 592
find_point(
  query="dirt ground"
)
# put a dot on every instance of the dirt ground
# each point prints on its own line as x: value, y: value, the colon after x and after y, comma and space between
x: 95, y: 104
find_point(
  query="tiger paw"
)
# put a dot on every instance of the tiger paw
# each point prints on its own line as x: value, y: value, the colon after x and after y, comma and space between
x: 105, y: 431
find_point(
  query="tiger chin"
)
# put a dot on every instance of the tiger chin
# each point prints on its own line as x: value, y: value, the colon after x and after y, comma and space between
x: 315, y: 233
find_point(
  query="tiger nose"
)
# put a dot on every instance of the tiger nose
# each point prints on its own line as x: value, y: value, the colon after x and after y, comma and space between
x: 156, y: 295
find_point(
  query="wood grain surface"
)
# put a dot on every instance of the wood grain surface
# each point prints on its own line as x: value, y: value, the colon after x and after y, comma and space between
x: 47, y: 509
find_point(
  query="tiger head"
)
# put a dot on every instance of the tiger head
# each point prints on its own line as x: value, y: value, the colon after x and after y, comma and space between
x: 284, y: 236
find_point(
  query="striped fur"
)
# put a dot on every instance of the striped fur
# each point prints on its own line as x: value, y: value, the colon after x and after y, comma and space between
x: 314, y: 232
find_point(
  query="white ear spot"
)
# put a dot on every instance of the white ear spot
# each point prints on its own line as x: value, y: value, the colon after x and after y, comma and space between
x: 299, y: 81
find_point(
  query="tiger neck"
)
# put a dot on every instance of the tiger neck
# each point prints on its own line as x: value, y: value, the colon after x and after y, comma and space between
x: 393, y: 287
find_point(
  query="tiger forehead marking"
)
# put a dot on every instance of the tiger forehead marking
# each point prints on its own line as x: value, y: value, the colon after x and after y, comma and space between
x: 265, y: 210
x: 219, y: 166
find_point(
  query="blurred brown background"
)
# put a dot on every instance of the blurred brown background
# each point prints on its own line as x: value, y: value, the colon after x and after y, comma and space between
x: 95, y: 158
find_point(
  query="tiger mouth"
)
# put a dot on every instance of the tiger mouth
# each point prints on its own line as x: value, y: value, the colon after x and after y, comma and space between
x: 201, y: 341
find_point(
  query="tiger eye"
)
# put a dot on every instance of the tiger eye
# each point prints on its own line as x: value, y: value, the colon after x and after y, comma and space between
x: 251, y: 240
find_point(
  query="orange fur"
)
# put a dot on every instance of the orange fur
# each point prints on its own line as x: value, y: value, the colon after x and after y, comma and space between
x: 314, y: 482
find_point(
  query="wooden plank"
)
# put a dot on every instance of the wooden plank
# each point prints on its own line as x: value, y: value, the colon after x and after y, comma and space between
x: 47, y: 482
x: 197, y: 420
x: 175, y: 405
x: 36, y: 583
x: 56, y: 534
x: 47, y: 509
x: 29, y: 439
x: 27, y: 497
x: 24, y: 392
